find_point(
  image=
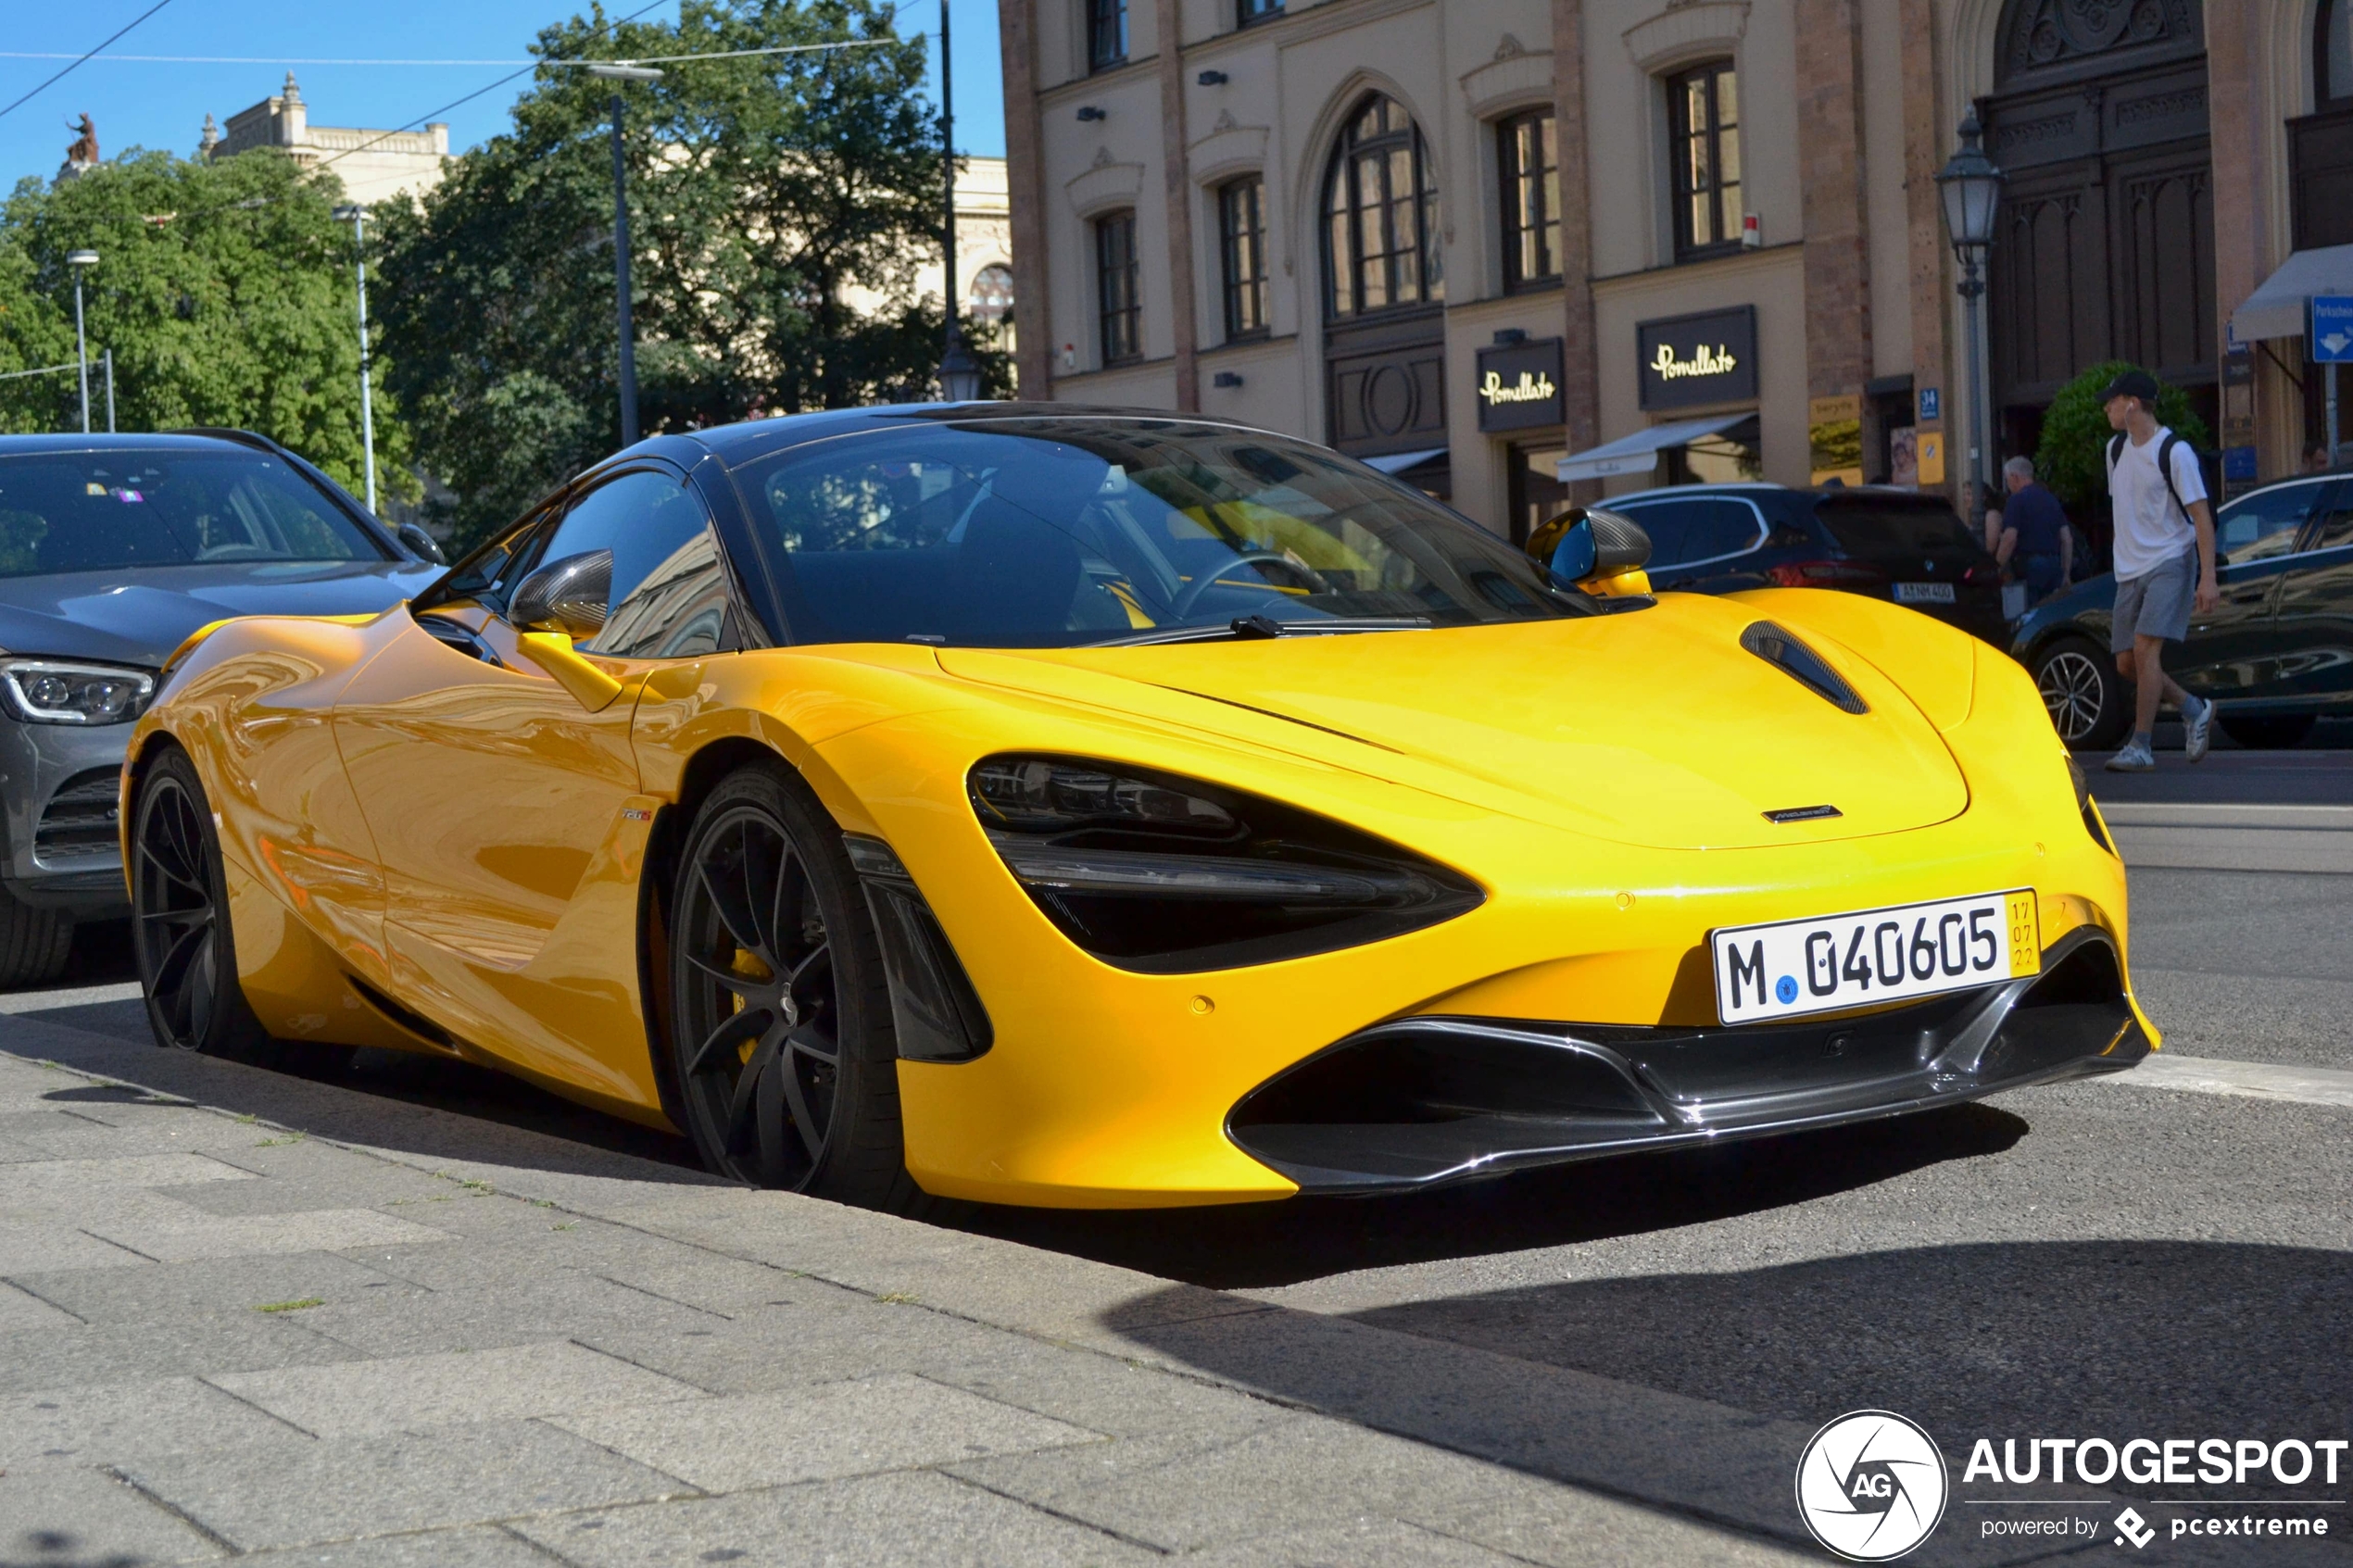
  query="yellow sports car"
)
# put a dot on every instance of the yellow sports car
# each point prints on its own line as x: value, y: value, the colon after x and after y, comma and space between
x: 1095, y: 809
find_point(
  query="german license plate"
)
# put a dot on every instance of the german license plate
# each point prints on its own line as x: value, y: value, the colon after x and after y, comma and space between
x: 1794, y: 967
x: 1923, y: 593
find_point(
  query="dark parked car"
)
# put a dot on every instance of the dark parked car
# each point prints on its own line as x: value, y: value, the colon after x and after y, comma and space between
x: 1895, y: 544
x: 2277, y: 655
x: 112, y: 549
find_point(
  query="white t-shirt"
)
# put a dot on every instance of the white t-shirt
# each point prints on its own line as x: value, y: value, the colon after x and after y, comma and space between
x: 2150, y: 530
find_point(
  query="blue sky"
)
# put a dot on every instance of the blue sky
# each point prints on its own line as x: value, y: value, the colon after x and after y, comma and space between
x: 164, y: 106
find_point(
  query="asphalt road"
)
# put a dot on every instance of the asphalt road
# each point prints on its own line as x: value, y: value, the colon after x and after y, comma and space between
x: 2106, y: 1258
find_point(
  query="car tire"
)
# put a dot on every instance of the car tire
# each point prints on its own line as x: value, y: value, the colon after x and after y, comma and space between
x: 2267, y: 732
x: 2083, y: 693
x: 782, y: 1051
x: 180, y: 930
x: 34, y: 943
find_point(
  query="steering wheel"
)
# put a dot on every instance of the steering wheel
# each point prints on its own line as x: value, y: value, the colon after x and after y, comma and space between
x: 1194, y: 591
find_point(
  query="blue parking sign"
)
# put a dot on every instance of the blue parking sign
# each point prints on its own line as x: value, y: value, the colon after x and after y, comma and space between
x: 2331, y: 339
x: 1932, y: 404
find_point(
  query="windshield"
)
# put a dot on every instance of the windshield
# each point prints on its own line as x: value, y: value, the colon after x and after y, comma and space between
x: 115, y: 511
x: 1053, y: 532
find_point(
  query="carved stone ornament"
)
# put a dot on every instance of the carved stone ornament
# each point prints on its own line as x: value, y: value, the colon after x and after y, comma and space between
x: 2049, y: 32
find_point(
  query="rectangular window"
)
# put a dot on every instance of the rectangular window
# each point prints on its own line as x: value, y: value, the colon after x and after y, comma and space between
x: 1106, y: 33
x: 1117, y: 294
x: 1702, y: 106
x: 1251, y: 11
x: 1241, y: 235
x: 1530, y: 150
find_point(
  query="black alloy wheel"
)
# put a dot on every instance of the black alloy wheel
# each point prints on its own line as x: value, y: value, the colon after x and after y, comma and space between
x: 179, y: 931
x: 2083, y: 693
x: 781, y: 1040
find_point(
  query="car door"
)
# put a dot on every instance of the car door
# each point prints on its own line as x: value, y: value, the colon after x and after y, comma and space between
x: 502, y: 791
x: 2232, y: 651
x: 2312, y: 626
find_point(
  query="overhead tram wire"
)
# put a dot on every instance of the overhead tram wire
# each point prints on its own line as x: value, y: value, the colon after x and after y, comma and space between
x: 68, y: 70
x: 296, y: 60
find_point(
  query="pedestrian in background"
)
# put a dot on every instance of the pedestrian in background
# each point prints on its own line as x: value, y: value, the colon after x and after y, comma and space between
x: 2035, y: 534
x: 2164, y: 562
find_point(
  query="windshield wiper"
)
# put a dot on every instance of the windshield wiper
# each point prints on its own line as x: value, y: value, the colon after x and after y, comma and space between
x: 1254, y: 628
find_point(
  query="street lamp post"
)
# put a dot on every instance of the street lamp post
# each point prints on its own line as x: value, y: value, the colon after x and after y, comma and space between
x: 358, y: 217
x: 80, y: 260
x: 1972, y: 188
x: 628, y: 333
x: 959, y: 372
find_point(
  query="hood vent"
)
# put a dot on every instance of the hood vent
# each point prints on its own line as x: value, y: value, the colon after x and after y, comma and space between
x: 1777, y: 647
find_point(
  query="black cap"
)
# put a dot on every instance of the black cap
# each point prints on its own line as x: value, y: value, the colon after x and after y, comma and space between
x: 2132, y: 383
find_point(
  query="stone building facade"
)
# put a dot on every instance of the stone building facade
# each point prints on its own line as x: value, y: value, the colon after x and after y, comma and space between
x: 371, y: 164
x: 1469, y: 239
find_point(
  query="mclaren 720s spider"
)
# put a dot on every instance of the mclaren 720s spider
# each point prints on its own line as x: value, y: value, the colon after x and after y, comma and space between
x: 1097, y: 808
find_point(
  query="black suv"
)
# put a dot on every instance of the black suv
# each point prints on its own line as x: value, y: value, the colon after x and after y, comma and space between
x: 1896, y: 544
x: 2276, y: 655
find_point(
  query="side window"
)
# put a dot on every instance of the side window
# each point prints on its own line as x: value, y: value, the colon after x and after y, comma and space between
x: 1667, y: 522
x: 2263, y: 525
x: 2335, y: 530
x: 669, y: 586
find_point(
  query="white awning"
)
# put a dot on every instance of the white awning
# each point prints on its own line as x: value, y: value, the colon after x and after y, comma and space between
x: 2277, y: 309
x: 1638, y: 453
x: 1398, y: 462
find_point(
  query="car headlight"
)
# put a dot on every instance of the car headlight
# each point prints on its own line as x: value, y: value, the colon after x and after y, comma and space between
x: 56, y: 691
x: 1167, y: 876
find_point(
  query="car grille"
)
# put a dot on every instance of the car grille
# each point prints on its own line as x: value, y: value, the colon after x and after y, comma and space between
x: 78, y: 827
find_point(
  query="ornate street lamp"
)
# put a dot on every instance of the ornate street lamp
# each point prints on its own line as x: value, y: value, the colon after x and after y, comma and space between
x: 357, y: 216
x: 627, y: 332
x: 80, y: 261
x: 959, y: 371
x: 1971, y: 187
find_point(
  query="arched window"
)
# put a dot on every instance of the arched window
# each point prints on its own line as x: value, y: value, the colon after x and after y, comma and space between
x: 1381, y: 214
x: 2333, y: 53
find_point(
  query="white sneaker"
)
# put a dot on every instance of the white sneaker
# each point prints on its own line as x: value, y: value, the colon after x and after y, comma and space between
x: 2135, y: 758
x: 2197, y: 724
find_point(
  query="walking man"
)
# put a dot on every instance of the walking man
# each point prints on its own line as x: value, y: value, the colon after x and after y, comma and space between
x: 2035, y: 534
x: 2164, y: 562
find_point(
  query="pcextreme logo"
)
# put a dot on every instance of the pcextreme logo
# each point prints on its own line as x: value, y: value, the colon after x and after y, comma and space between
x: 1871, y: 1486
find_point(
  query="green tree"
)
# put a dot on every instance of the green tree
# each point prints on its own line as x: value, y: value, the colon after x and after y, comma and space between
x: 780, y: 206
x: 226, y: 291
x: 2073, y: 456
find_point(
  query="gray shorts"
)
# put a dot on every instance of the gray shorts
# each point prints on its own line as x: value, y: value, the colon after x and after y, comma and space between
x: 2156, y: 604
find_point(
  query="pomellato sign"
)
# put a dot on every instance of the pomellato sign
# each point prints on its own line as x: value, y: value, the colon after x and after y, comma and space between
x: 1520, y: 385
x: 1692, y: 361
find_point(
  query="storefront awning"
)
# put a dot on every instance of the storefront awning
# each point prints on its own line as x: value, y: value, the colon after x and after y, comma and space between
x: 2277, y: 309
x: 1638, y: 453
x: 1398, y: 462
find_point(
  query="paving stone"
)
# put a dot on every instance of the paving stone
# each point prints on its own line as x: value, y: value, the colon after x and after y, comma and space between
x: 531, y: 1308
x: 20, y: 1308
x: 1539, y: 1521
x: 888, y: 1422
x: 1365, y: 1543
x: 1180, y: 1495
x: 75, y: 1517
x: 357, y: 1183
x: 35, y: 1181
x: 101, y: 1425
x: 26, y: 1246
x: 414, y: 1393
x: 333, y: 1491
x: 917, y: 1516
x: 201, y: 1236
x: 110, y: 1353
x: 550, y: 1239
x: 479, y: 1546
x: 164, y: 1291
x: 698, y: 1278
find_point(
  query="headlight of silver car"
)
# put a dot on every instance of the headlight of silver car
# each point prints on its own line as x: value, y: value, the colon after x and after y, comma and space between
x: 57, y: 691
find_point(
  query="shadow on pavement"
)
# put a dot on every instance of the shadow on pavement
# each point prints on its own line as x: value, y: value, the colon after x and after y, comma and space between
x: 1274, y: 1244
x: 1696, y: 1392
